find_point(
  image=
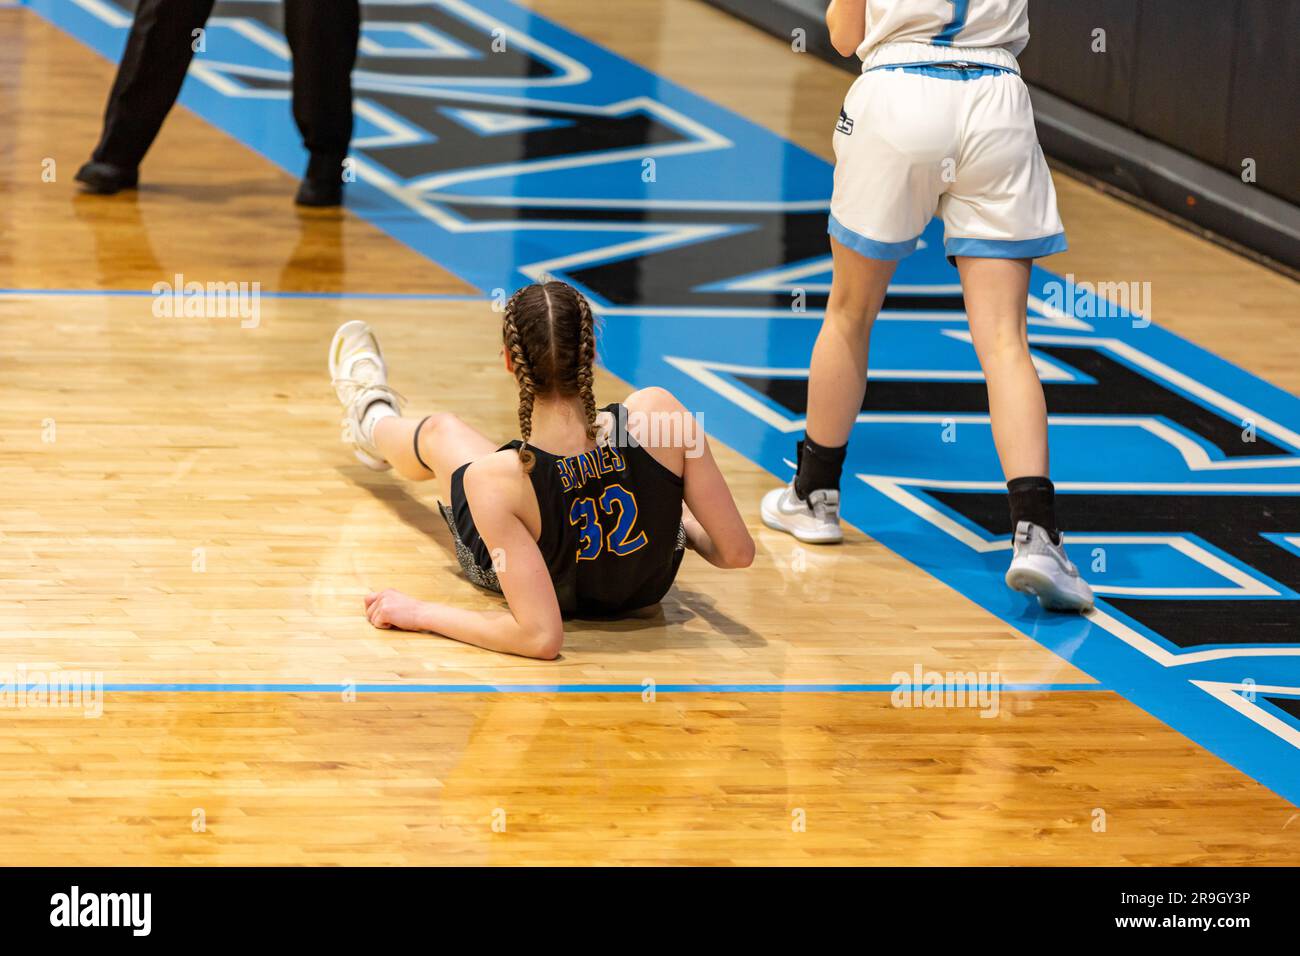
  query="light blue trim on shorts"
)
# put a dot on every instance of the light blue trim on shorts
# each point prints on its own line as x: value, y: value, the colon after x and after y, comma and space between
x: 1006, y: 248
x: 871, y: 248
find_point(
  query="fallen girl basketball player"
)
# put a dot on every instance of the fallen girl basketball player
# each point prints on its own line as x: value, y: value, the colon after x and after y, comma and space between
x: 588, y: 515
x: 938, y: 121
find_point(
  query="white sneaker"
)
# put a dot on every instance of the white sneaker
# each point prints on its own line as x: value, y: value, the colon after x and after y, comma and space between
x: 815, y: 521
x: 1041, y: 568
x: 360, y: 378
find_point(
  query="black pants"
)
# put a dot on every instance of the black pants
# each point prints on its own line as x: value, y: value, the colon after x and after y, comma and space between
x: 322, y: 36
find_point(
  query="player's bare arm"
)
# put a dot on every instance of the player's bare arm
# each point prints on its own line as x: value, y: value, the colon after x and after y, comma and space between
x: 714, y: 527
x: 531, y: 626
x: 847, y: 22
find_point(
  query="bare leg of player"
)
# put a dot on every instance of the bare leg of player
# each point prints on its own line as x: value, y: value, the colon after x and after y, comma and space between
x: 838, y: 373
x: 380, y: 437
x: 997, y: 293
x: 809, y: 507
x: 446, y: 443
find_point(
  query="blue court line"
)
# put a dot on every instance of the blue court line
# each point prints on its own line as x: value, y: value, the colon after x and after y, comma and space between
x: 146, y: 293
x: 200, y: 688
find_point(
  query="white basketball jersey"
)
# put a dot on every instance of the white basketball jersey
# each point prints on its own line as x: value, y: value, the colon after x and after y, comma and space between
x: 957, y: 23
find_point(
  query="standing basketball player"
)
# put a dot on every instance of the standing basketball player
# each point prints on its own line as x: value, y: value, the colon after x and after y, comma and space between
x: 940, y: 121
x: 583, y: 516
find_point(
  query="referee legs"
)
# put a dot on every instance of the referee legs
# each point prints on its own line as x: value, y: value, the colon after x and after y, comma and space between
x: 158, y: 52
x: 323, y: 37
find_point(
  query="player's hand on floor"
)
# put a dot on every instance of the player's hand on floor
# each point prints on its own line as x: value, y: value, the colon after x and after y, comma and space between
x: 391, y: 608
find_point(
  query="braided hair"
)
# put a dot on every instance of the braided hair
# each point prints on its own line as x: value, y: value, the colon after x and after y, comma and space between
x: 550, y: 335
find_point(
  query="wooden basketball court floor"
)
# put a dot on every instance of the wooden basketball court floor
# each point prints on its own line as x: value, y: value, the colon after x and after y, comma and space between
x: 195, y: 520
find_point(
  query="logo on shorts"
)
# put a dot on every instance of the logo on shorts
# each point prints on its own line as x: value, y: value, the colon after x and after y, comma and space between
x: 845, y: 125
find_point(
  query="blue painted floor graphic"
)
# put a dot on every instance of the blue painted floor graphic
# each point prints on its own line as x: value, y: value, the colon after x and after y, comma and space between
x: 504, y: 148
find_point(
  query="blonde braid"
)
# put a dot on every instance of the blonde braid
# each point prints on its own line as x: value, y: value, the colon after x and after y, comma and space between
x: 586, y: 361
x: 524, y: 376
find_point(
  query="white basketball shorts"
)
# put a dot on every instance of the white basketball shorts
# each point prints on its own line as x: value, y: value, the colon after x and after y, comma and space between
x: 916, y: 139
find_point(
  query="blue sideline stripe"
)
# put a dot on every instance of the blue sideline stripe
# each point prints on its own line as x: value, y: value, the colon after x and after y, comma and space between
x: 146, y: 293
x: 200, y: 688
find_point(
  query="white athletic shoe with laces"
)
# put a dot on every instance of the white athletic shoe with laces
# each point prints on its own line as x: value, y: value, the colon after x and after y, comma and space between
x: 360, y: 378
x: 1041, y: 568
x: 815, y: 521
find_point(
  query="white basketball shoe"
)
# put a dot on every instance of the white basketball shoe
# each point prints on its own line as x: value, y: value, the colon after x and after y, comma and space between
x: 815, y: 521
x: 1040, y: 568
x: 360, y: 379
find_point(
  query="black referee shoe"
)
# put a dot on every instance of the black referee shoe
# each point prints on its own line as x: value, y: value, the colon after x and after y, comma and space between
x: 326, y: 191
x: 105, y: 179
x: 322, y: 184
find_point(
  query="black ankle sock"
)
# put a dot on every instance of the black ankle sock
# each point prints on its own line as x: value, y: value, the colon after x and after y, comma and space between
x: 819, y: 467
x: 1033, y: 499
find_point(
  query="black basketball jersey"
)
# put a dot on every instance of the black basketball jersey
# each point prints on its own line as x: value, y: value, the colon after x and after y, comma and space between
x: 611, y: 524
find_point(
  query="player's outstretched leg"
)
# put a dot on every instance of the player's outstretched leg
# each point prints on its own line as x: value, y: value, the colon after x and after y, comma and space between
x: 360, y: 379
x: 432, y: 446
x: 996, y: 291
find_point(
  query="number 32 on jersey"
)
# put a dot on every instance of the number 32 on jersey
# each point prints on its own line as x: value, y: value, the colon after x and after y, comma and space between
x: 618, y: 503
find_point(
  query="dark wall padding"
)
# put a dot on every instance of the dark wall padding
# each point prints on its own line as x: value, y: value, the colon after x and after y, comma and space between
x: 1264, y: 111
x: 1216, y: 79
x: 1184, y: 75
x: 1059, y: 57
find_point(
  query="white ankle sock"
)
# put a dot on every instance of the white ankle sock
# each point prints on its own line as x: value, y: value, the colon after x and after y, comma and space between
x: 377, y: 410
